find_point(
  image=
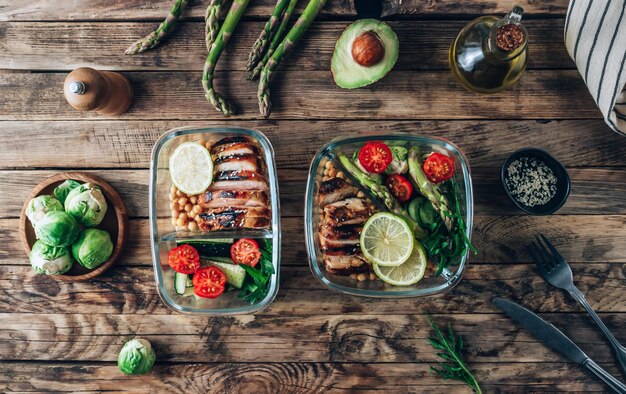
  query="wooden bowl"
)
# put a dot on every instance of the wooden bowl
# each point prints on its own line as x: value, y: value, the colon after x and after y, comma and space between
x: 115, y: 222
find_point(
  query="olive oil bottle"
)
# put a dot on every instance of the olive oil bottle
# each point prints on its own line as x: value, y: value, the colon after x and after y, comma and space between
x: 490, y: 53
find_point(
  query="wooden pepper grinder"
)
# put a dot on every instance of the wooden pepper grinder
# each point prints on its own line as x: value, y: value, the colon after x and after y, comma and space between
x: 106, y: 92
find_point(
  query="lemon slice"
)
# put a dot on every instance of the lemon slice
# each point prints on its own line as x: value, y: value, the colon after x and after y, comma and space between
x: 387, y: 240
x: 191, y: 168
x: 407, y: 273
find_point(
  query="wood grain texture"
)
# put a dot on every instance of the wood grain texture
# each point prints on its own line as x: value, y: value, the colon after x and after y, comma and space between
x: 424, y: 46
x: 500, y: 239
x: 540, y: 94
x: 281, y: 378
x: 128, y: 143
x: 595, y: 191
x: 264, y: 339
x: 447, y: 8
x: 131, y: 290
x: 155, y: 11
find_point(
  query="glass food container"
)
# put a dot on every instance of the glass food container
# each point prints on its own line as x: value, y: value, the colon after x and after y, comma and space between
x: 163, y: 233
x: 430, y: 284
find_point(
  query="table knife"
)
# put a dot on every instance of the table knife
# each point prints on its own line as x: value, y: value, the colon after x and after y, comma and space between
x: 556, y: 340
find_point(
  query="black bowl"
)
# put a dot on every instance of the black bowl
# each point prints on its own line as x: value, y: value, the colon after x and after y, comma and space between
x: 563, y: 183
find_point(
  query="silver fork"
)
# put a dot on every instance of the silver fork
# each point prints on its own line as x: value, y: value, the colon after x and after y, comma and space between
x: 558, y: 273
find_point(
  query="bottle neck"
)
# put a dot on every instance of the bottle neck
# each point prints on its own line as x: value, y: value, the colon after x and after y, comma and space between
x: 507, y: 37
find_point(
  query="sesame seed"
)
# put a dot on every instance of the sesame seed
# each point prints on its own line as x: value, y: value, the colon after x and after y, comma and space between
x: 530, y: 181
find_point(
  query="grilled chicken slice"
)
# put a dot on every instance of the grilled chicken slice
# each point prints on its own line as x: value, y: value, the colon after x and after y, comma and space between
x: 238, y: 163
x: 333, y: 190
x: 238, y: 180
x: 344, y: 233
x: 234, y: 198
x: 229, y: 218
x: 234, y: 146
x: 348, y: 211
x: 345, y: 265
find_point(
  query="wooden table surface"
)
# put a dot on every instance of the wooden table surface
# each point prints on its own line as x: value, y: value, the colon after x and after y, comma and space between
x: 66, y: 336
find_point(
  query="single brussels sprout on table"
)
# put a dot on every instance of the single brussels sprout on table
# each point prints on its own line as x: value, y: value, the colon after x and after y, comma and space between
x: 87, y: 204
x: 61, y: 191
x: 40, y: 205
x: 57, y: 228
x: 92, y: 248
x: 136, y: 357
x: 50, y: 260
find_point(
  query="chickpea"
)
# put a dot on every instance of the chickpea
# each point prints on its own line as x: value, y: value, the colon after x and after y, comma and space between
x: 193, y: 226
x: 208, y: 145
x: 174, y: 220
x: 193, y: 200
x: 372, y: 276
x: 332, y: 173
x: 340, y: 175
x: 182, y: 215
x: 179, y: 193
x: 175, y: 213
x: 172, y: 197
x: 172, y: 205
x: 198, y: 219
x: 181, y: 222
x: 197, y: 208
x: 182, y: 201
x: 361, y: 277
x: 360, y: 194
x: 173, y: 189
x: 188, y: 207
x: 328, y: 164
x: 192, y: 215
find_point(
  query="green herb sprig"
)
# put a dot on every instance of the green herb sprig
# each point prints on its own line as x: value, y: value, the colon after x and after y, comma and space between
x: 447, y: 247
x: 451, y: 348
x: 257, y: 282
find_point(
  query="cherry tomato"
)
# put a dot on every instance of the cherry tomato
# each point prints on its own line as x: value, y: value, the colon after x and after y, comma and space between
x: 245, y: 251
x: 438, y: 167
x: 400, y: 187
x: 375, y: 157
x: 184, y: 259
x: 209, y: 282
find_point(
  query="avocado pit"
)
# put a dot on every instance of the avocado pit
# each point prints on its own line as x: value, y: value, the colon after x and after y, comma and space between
x: 368, y: 49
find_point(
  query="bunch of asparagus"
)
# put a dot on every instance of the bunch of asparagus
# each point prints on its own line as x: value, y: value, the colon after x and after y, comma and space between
x: 270, y: 48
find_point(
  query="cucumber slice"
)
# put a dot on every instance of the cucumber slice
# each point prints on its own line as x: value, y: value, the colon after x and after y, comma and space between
x: 210, y: 248
x: 189, y: 281
x: 180, y: 283
x: 427, y: 213
x: 414, y: 207
x: 235, y: 275
x: 188, y: 292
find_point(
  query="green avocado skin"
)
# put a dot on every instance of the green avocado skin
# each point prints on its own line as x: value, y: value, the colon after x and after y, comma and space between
x: 349, y: 74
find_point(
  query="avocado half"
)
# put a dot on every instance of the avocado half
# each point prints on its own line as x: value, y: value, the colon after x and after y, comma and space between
x: 349, y: 74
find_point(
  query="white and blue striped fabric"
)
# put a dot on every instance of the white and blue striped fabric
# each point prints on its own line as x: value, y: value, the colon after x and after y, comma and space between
x: 595, y: 36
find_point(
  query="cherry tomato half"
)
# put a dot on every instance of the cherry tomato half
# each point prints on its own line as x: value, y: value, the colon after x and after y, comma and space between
x: 400, y: 187
x: 184, y: 259
x: 245, y: 251
x: 209, y: 282
x: 438, y: 167
x: 375, y: 157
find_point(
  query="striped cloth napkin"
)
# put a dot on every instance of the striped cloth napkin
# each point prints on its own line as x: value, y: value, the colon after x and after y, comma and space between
x: 595, y: 36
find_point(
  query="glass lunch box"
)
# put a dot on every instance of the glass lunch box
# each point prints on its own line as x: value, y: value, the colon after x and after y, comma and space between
x: 430, y: 284
x: 163, y: 233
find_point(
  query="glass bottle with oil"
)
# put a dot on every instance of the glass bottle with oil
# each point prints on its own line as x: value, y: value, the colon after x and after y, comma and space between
x: 490, y: 53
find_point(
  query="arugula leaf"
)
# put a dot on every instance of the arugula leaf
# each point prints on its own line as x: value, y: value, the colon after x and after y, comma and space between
x: 453, y: 367
x: 256, y: 285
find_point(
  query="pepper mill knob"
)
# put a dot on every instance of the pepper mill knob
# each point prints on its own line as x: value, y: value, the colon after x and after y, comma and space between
x: 105, y: 92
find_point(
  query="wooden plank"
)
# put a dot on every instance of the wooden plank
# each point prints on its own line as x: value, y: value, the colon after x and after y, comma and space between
x: 131, y: 290
x: 293, y: 378
x: 335, y: 338
x: 413, y: 8
x: 128, y: 144
x: 500, y: 239
x: 540, y: 94
x: 138, y: 10
x: 424, y: 46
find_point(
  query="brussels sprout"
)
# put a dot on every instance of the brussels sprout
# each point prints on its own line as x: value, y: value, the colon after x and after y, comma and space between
x: 57, y: 228
x: 92, y: 248
x: 87, y: 204
x: 50, y: 260
x: 136, y: 357
x: 40, y: 205
x: 61, y: 191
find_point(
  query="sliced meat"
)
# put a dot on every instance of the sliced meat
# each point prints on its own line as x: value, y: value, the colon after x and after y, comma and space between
x: 333, y: 190
x: 238, y: 180
x: 234, y: 198
x: 348, y: 249
x: 345, y: 265
x: 348, y: 211
x: 238, y: 163
x: 229, y: 218
x: 233, y: 148
x: 347, y: 232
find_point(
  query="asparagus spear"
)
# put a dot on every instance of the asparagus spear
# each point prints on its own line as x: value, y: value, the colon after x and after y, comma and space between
x: 379, y: 190
x: 268, y: 32
x: 428, y: 189
x: 278, y: 37
x: 212, y: 22
x: 298, y: 29
x: 153, y: 39
x: 230, y: 22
